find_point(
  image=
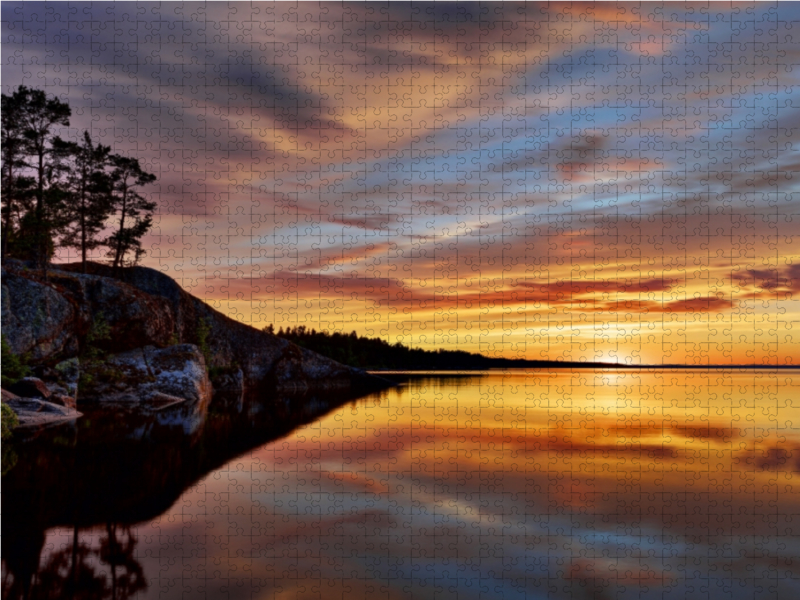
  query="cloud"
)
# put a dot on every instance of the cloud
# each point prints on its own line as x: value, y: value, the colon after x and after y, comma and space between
x: 707, y: 432
x: 777, y: 459
x: 564, y: 288
x: 701, y: 304
x: 345, y: 286
x: 780, y: 284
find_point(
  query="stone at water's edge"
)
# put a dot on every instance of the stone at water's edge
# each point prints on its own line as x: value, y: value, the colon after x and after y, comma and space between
x: 152, y: 376
x: 229, y: 380
x: 35, y: 388
x: 35, y: 413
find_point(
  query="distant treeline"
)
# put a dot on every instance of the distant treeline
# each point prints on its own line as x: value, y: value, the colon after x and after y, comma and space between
x: 374, y: 353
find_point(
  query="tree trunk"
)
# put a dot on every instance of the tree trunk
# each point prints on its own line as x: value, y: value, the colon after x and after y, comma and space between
x: 41, y: 233
x: 6, y: 221
x: 118, y: 255
x: 83, y: 244
x: 73, y: 575
x: 83, y: 227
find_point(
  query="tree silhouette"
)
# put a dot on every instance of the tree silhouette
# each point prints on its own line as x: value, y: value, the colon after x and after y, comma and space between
x: 75, y: 570
x: 38, y: 115
x: 134, y: 210
x: 88, y: 203
x: 58, y: 190
x: 17, y: 189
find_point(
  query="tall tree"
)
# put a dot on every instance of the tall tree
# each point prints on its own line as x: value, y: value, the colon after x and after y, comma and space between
x: 88, y: 201
x: 17, y: 189
x: 31, y: 144
x: 134, y: 210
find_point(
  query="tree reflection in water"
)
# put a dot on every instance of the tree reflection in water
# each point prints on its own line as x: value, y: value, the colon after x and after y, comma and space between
x: 116, y: 470
x: 81, y: 570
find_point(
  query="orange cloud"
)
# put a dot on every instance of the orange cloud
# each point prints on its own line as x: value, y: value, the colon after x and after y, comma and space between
x: 704, y: 304
x: 561, y: 289
x: 780, y: 284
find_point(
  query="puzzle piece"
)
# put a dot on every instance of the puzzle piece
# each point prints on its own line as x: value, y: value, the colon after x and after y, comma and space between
x: 583, y: 183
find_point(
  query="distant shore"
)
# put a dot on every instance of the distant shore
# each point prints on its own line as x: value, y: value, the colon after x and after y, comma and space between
x: 587, y: 365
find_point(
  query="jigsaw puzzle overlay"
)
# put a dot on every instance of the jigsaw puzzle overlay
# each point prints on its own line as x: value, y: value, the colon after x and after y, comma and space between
x: 564, y: 181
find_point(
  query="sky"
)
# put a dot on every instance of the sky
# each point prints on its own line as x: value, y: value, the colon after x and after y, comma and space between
x: 545, y: 181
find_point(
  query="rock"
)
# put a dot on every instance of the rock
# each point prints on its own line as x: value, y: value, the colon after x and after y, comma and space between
x: 64, y: 400
x: 134, y: 318
x: 265, y: 359
x: 30, y: 387
x: 152, y: 376
x: 35, y: 413
x: 68, y: 373
x: 36, y: 319
x: 144, y: 307
x: 228, y: 380
x: 6, y: 395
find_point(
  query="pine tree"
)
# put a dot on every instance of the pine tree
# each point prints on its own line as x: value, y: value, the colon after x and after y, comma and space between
x: 134, y: 210
x: 18, y: 189
x: 88, y: 204
x: 39, y: 115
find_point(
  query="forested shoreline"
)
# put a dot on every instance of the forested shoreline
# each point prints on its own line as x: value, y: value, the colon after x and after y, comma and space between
x: 377, y: 354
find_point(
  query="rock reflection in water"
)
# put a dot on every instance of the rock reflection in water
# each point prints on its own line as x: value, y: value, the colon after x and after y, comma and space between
x: 114, y: 469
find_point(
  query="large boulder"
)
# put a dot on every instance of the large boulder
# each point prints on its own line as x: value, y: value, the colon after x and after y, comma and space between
x: 47, y: 317
x: 36, y: 319
x: 154, y: 377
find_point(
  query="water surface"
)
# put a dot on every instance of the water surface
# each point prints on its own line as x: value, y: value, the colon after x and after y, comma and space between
x: 518, y: 484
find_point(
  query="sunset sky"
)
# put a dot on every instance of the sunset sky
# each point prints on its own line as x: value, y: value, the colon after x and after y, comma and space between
x: 560, y: 181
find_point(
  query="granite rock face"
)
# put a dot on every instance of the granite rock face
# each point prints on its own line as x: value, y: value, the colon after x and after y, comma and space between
x: 36, y: 319
x: 264, y: 359
x: 54, y: 319
x: 134, y: 319
x: 157, y: 377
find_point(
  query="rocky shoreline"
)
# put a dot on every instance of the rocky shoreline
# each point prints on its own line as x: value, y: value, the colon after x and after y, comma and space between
x: 136, y: 338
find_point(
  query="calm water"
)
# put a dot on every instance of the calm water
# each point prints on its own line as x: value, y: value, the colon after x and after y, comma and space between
x: 509, y: 485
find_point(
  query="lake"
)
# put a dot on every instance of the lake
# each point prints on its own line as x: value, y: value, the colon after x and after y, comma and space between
x: 515, y: 484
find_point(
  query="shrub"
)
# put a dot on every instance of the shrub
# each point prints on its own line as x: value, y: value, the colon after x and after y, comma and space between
x: 13, y: 367
x: 99, y: 331
x: 9, y: 421
x: 203, y: 331
x: 92, y: 359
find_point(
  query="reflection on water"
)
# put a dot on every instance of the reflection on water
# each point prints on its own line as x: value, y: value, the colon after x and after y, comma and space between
x: 516, y: 485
